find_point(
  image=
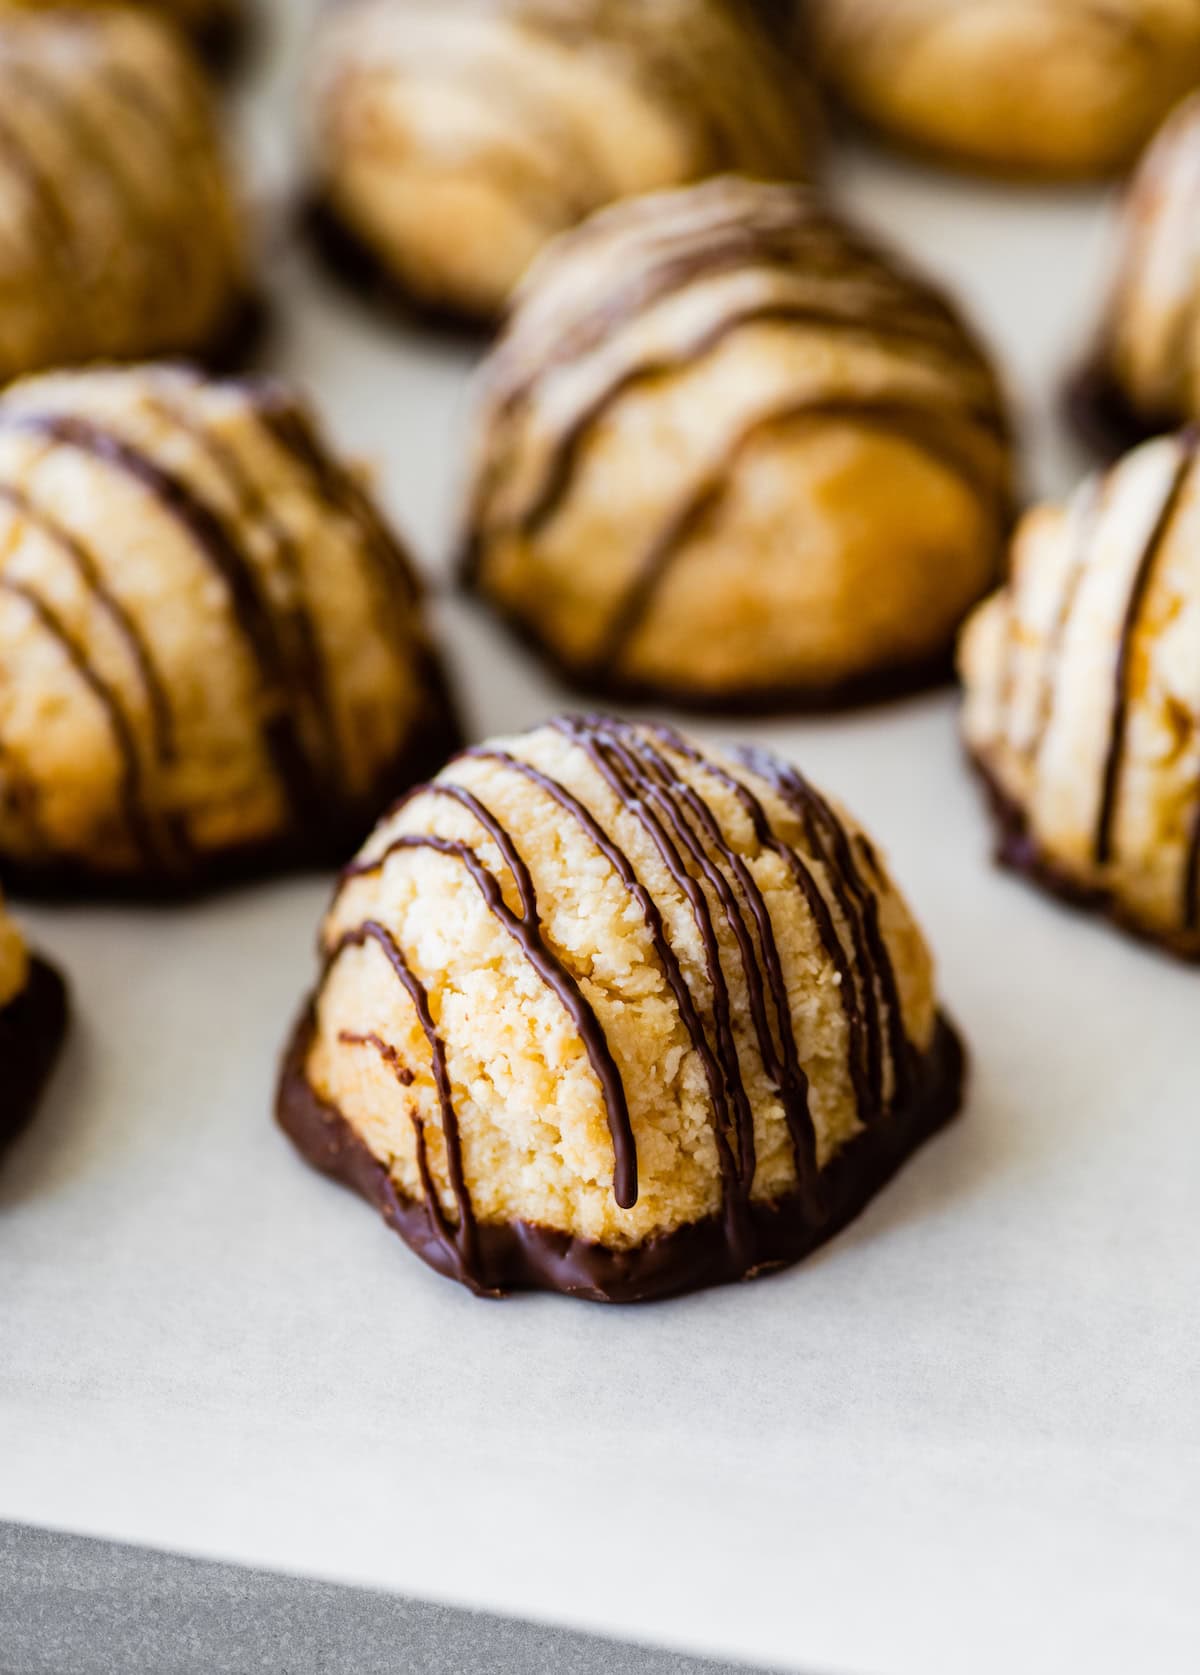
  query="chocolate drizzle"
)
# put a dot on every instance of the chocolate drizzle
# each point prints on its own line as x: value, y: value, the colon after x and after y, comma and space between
x: 289, y: 426
x: 214, y: 542
x: 1090, y: 508
x: 526, y: 931
x: 1114, y: 761
x: 731, y: 99
x: 858, y: 905
x: 714, y: 1074
x: 460, y: 1241
x: 868, y: 1092
x: 86, y: 566
x: 640, y: 766
x: 99, y: 164
x: 37, y: 184
x: 903, y: 421
x: 387, y: 1053
x: 309, y: 685
x: 1097, y: 880
x: 326, y: 811
x: 795, y: 267
x: 798, y: 243
x: 82, y: 100
x: 132, y: 793
x: 570, y: 445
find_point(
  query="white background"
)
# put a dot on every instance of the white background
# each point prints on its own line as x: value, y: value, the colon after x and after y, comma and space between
x: 963, y: 1437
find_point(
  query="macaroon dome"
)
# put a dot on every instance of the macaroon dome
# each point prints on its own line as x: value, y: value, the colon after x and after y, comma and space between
x: 213, y: 653
x: 607, y: 1013
x: 452, y: 138
x: 727, y: 453
x: 214, y: 26
x: 1144, y: 374
x: 121, y: 236
x: 1053, y: 88
x: 1082, y: 684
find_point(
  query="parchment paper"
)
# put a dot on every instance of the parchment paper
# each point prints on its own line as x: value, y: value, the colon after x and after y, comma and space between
x: 962, y: 1438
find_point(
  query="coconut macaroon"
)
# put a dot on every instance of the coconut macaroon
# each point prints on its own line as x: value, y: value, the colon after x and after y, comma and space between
x: 729, y: 454
x: 213, y: 654
x: 1083, y: 695
x: 1057, y: 88
x: 120, y: 237
x: 33, y: 1016
x: 214, y: 26
x: 606, y: 1013
x: 1144, y: 374
x: 452, y: 138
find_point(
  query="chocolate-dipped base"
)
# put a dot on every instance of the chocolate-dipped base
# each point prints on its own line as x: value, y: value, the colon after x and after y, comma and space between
x: 318, y: 846
x: 225, y: 41
x: 237, y: 345
x: 882, y: 685
x: 519, y: 1256
x: 1102, y: 416
x: 1018, y: 851
x: 351, y: 262
x: 32, y: 1028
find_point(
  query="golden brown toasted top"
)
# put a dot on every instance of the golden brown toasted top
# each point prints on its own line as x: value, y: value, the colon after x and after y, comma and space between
x: 119, y: 235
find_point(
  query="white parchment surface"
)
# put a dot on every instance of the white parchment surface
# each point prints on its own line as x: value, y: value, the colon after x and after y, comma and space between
x: 963, y: 1438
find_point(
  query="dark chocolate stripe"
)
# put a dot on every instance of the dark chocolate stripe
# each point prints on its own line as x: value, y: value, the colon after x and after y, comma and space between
x: 723, y: 250
x: 57, y: 226
x: 311, y: 684
x: 570, y: 444
x: 1114, y: 760
x: 386, y: 1051
x: 931, y: 433
x: 500, y: 836
x: 723, y: 110
x: 700, y: 827
x: 483, y: 75
x: 809, y: 889
x: 651, y: 777
x: 803, y: 243
x: 213, y: 542
x: 828, y: 840
x: 1089, y: 518
x: 780, y: 1061
x: 92, y: 152
x: 527, y: 934
x: 461, y: 1241
x: 86, y: 566
x: 133, y: 805
x: 879, y: 967
x: 167, y: 122
x: 623, y: 866
x: 292, y: 431
x: 662, y: 823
